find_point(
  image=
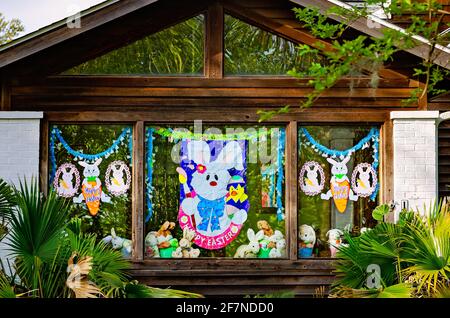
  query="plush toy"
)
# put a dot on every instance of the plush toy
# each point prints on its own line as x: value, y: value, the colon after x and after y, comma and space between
x: 185, y: 249
x: 334, y: 239
x: 166, y: 243
x: 265, y: 226
x: 119, y: 243
x: 151, y: 245
x: 280, y: 249
x: 251, y: 249
x: 307, y: 237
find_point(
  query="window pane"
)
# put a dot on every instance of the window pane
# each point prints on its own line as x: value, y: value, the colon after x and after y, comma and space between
x: 220, y: 199
x: 177, y: 50
x: 250, y: 50
x: 100, y: 190
x: 338, y: 210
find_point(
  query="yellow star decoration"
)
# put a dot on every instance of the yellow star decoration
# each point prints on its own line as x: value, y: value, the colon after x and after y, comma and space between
x: 237, y: 194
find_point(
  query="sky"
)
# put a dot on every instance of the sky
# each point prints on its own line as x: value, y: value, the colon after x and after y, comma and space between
x: 36, y: 14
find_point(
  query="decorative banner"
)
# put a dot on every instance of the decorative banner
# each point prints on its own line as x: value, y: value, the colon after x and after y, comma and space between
x: 340, y: 188
x: 64, y: 187
x: 361, y: 176
x: 91, y: 190
x: 116, y: 184
x: 175, y: 136
x: 213, y: 192
x: 310, y: 184
x: 268, y: 175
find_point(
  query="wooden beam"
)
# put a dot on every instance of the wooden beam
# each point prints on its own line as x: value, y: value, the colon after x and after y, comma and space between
x: 5, y: 100
x: 214, y: 41
x: 291, y: 189
x: 137, y: 204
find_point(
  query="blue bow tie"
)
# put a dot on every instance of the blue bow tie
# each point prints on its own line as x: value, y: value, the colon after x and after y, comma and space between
x: 210, y: 211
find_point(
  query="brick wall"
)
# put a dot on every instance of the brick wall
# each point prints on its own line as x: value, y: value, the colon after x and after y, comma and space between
x: 415, y: 157
x: 19, y: 151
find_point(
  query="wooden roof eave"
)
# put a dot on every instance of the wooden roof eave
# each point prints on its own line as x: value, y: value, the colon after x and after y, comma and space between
x: 442, y: 54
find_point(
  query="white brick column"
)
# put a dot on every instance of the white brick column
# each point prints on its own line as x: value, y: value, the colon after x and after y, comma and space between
x: 19, y: 140
x: 19, y: 152
x: 415, y: 158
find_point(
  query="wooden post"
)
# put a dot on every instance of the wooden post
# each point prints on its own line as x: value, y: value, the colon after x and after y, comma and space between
x: 138, y: 192
x: 387, y: 165
x: 214, y: 41
x: 291, y: 189
x: 5, y: 101
x: 43, y: 162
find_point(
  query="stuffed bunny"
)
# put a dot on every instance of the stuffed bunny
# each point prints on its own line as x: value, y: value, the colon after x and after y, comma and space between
x: 151, y: 244
x: 339, y: 185
x: 334, y: 239
x: 91, y: 191
x: 307, y: 237
x: 251, y: 249
x: 279, y: 250
x: 118, y: 242
x: 185, y: 248
x: 207, y: 202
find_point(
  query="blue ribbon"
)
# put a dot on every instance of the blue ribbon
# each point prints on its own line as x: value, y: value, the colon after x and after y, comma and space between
x: 56, y: 135
x: 280, y: 174
x: 210, y: 211
x: 373, y: 136
x: 149, y: 136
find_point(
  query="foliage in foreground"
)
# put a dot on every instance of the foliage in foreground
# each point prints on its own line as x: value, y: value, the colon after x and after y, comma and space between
x: 413, y: 257
x: 43, y: 239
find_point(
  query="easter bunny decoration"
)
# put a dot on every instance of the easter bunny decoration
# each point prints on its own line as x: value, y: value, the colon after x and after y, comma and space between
x: 339, y: 185
x: 91, y: 190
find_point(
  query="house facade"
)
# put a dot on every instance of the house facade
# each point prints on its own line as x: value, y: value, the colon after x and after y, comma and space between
x: 145, y: 114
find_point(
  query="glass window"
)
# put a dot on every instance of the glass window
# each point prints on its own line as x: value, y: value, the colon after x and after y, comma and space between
x: 338, y: 185
x: 177, y: 50
x: 90, y: 165
x: 222, y: 191
x: 250, y: 50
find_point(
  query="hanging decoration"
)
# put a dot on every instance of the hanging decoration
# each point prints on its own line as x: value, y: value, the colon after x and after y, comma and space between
x: 91, y: 188
x: 341, y: 189
x: 149, y: 179
x: 310, y: 183
x: 280, y: 174
x: 115, y: 183
x: 275, y: 171
x: 64, y: 186
x: 364, y: 180
x: 213, y: 191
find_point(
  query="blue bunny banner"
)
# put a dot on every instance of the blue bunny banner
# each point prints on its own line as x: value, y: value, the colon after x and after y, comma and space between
x: 213, y: 190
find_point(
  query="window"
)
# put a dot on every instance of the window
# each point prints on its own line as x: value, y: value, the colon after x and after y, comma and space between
x: 250, y: 50
x: 219, y: 185
x: 338, y: 184
x: 90, y: 165
x: 177, y: 50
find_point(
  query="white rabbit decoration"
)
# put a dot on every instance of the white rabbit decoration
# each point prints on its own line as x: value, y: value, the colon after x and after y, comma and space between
x: 340, y: 189
x: 310, y: 184
x: 116, y: 183
x: 251, y: 249
x: 91, y: 191
x: 334, y: 239
x: 65, y: 186
x: 207, y: 202
x: 361, y: 183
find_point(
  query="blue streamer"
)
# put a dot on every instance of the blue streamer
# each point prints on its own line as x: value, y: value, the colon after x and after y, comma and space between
x: 373, y: 137
x: 149, y: 154
x: 56, y: 134
x: 280, y: 174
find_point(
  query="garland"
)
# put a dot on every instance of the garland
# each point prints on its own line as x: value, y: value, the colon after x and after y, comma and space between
x: 149, y: 179
x: 56, y: 135
x: 176, y: 135
x: 372, y: 137
x: 280, y: 174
